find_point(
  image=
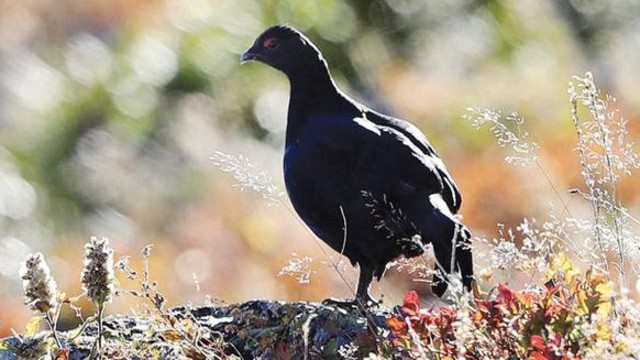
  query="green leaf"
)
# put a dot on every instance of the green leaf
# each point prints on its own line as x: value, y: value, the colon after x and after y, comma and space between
x: 5, y: 345
x: 33, y: 326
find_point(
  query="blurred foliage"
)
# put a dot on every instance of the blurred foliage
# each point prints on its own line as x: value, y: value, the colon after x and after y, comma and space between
x: 110, y: 110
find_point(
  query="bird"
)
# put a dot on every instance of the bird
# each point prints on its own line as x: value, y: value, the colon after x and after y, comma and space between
x: 369, y: 185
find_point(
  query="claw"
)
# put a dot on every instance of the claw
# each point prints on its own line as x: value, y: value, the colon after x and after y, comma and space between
x: 364, y: 303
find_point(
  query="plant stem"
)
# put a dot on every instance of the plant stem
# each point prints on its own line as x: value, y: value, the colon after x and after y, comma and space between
x: 100, y: 311
x: 589, y: 180
x: 599, y: 116
x: 52, y: 325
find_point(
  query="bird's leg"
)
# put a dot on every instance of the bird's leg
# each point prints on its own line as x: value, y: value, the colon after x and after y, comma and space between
x: 442, y: 267
x: 363, y: 299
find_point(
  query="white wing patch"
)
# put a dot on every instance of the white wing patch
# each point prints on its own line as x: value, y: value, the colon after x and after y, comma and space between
x: 365, y: 123
x: 438, y: 202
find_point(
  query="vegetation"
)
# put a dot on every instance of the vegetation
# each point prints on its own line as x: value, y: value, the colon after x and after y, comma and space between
x: 567, y: 313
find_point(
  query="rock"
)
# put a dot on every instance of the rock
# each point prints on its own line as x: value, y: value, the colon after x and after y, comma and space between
x: 251, y: 330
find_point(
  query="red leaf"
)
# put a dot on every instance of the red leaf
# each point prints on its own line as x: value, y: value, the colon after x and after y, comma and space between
x: 550, y: 285
x: 396, y: 325
x: 537, y: 356
x: 282, y: 350
x: 537, y: 342
x: 62, y: 354
x: 505, y: 292
x: 556, y: 340
x: 411, y: 304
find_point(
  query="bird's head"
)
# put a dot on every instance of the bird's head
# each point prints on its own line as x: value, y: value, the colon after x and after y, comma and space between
x: 285, y: 49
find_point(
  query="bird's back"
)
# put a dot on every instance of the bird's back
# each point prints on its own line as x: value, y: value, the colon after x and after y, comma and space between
x: 450, y: 192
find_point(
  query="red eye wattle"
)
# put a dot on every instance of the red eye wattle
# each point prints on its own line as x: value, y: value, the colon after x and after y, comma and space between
x: 271, y: 43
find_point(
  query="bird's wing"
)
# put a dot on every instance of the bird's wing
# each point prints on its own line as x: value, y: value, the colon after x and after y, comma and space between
x: 382, y: 151
x: 414, y: 166
x: 450, y: 192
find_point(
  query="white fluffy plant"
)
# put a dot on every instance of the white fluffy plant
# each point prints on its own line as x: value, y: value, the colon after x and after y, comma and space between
x: 97, y: 277
x: 607, y: 155
x: 40, y: 293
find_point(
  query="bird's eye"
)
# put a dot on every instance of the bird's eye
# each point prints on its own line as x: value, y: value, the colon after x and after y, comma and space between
x: 271, y: 43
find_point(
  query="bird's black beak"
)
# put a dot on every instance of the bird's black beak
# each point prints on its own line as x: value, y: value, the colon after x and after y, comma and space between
x: 249, y: 55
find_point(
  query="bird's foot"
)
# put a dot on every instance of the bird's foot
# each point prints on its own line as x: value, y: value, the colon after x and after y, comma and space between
x: 365, y: 303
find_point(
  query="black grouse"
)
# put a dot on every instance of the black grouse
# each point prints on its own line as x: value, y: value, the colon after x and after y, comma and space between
x: 369, y: 185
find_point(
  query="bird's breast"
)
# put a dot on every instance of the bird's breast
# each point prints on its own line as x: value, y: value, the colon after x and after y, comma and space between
x: 335, y: 190
x: 310, y: 174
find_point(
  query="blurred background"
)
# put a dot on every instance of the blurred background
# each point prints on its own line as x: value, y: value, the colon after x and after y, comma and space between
x: 110, y: 111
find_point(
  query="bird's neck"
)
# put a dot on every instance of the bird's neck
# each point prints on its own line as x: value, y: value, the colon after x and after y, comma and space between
x: 312, y: 92
x: 312, y: 83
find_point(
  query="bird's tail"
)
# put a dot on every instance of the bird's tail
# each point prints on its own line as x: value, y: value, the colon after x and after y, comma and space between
x: 456, y: 248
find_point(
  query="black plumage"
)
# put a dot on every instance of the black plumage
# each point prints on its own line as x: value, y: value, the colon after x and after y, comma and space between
x: 369, y: 185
